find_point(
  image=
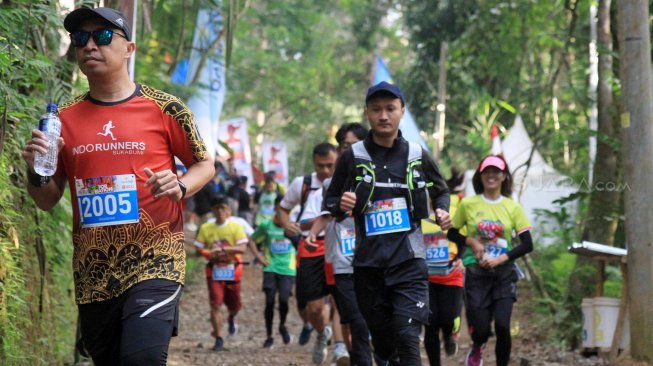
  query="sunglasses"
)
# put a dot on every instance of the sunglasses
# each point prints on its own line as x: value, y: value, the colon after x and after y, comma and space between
x: 101, y: 37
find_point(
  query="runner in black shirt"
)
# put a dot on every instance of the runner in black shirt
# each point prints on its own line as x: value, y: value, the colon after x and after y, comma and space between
x: 384, y: 181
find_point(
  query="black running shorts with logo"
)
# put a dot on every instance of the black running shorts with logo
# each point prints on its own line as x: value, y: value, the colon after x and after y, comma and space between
x: 483, y: 287
x: 345, y: 296
x: 145, y: 316
x: 383, y: 293
x: 311, y: 280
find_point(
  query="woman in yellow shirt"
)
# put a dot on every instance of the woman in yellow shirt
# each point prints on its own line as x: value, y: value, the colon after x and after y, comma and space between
x: 490, y: 218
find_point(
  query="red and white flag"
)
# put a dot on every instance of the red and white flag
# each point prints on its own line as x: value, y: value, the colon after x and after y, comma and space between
x: 496, y: 141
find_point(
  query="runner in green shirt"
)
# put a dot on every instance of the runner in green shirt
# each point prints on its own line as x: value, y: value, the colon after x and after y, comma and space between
x: 279, y: 271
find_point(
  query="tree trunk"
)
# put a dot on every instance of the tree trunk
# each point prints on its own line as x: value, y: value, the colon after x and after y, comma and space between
x: 603, y: 210
x: 637, y: 124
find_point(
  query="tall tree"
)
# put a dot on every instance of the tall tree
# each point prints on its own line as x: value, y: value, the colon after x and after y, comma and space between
x: 637, y: 123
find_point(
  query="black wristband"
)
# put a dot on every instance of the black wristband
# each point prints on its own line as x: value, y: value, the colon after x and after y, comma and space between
x: 37, y: 180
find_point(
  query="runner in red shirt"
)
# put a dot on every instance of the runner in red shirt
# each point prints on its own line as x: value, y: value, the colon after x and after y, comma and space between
x: 116, y: 152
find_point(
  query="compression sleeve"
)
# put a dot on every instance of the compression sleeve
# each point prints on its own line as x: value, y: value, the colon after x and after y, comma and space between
x: 524, y: 248
x: 455, y: 236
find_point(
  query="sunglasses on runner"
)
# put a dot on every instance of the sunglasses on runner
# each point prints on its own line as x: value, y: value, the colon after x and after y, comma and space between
x: 101, y: 37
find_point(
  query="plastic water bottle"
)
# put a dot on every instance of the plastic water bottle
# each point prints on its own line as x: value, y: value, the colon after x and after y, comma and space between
x: 50, y: 124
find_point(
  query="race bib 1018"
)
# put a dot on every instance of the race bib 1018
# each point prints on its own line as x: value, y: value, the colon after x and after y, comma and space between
x: 387, y: 216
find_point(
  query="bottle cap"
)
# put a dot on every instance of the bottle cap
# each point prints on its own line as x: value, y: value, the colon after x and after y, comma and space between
x: 52, y: 107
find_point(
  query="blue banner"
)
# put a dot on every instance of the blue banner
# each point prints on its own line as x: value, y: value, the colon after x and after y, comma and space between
x: 206, y: 104
x: 407, y: 125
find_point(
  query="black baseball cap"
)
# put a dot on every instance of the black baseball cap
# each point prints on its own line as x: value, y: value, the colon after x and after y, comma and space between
x: 387, y: 88
x: 116, y: 18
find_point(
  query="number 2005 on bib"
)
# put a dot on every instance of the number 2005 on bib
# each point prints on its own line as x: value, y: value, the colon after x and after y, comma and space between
x: 109, y: 200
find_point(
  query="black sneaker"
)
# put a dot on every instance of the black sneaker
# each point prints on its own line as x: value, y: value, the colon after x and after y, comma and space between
x: 268, y: 343
x: 305, y: 335
x: 450, y: 345
x: 219, y: 344
x: 233, y: 326
x: 287, y: 338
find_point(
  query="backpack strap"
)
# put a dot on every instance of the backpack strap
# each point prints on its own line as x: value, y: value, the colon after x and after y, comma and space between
x: 306, y: 188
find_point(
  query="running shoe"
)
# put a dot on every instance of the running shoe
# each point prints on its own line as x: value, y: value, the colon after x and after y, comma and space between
x: 320, y: 350
x: 268, y: 343
x: 219, y: 344
x: 475, y: 356
x: 287, y: 338
x: 450, y: 345
x: 305, y: 335
x: 340, y: 355
x: 233, y: 326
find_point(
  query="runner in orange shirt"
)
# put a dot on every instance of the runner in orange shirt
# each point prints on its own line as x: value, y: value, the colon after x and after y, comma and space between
x: 120, y: 139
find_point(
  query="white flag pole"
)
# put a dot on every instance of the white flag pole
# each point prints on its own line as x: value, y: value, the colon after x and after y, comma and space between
x: 132, y: 60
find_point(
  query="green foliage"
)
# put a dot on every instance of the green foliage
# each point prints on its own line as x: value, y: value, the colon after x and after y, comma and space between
x: 36, y: 301
x: 299, y: 63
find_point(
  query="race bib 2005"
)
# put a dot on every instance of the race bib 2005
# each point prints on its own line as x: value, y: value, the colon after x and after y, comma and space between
x: 109, y: 200
x: 387, y: 216
x: 224, y: 272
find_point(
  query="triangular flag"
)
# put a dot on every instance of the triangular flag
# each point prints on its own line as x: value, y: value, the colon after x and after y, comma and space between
x: 496, y: 141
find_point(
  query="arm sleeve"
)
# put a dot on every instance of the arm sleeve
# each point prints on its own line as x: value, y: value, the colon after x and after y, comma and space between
x: 438, y: 190
x: 524, y: 248
x: 340, y: 183
x: 455, y: 236
x: 459, y: 240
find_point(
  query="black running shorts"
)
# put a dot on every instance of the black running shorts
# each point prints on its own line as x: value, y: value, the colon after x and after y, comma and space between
x: 144, y: 316
x: 311, y: 281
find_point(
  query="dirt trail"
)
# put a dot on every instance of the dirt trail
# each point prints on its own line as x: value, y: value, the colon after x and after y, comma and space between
x: 193, y: 345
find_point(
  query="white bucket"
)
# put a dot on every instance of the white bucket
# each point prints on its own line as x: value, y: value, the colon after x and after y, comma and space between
x: 606, y: 312
x: 587, y: 335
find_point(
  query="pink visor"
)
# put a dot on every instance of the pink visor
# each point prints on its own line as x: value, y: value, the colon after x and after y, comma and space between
x: 493, y: 161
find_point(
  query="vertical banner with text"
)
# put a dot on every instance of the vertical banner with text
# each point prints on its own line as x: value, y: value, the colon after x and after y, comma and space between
x: 206, y: 103
x: 233, y: 132
x: 275, y: 157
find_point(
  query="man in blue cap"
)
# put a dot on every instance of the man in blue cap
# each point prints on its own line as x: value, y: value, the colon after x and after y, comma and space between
x: 384, y: 181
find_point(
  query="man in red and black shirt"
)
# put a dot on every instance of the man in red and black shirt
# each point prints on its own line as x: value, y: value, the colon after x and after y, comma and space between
x: 116, y: 153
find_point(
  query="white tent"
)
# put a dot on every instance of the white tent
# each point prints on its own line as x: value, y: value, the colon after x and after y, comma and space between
x: 536, y: 186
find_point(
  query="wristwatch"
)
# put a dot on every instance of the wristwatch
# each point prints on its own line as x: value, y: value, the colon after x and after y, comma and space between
x: 36, y: 179
x: 183, y: 188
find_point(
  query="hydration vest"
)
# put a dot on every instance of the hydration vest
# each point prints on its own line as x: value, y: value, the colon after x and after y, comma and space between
x: 414, y: 186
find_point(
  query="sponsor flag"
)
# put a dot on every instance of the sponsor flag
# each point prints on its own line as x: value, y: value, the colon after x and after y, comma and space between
x: 407, y: 125
x: 275, y: 157
x: 233, y: 133
x: 496, y: 141
x: 206, y: 104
